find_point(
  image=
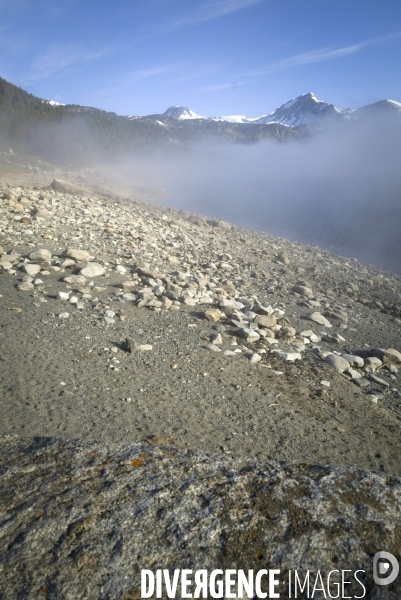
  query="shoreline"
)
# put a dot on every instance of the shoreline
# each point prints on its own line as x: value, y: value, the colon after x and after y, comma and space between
x: 266, y: 379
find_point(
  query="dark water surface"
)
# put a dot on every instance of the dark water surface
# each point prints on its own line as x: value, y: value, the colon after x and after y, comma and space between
x: 367, y: 228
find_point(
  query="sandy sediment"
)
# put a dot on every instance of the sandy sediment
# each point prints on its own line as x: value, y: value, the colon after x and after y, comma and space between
x: 255, y: 380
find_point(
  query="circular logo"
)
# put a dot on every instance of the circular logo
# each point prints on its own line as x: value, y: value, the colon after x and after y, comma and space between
x: 386, y: 571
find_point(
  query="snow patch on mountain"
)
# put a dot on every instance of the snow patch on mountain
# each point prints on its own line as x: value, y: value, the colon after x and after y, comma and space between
x: 181, y: 112
x: 54, y: 103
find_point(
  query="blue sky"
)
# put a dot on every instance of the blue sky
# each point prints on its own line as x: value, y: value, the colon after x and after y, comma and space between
x: 217, y: 57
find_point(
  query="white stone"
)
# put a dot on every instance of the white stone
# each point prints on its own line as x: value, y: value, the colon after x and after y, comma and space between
x: 75, y: 279
x: 41, y: 254
x: 320, y: 319
x: 354, y: 361
x: 64, y: 315
x: 338, y: 363
x: 66, y: 263
x: 31, y: 269
x: 290, y: 356
x: 212, y: 347
x: 92, y: 270
x: 26, y: 286
x: 77, y: 255
x: 63, y: 295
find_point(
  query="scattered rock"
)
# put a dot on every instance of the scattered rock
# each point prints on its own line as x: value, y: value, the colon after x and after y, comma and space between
x: 212, y: 314
x: 76, y: 255
x: 319, y: 318
x: 40, y: 254
x: 267, y: 321
x: 212, y: 347
x: 75, y: 279
x: 338, y: 363
x: 31, y: 269
x: 290, y: 356
x: 92, y: 270
x: 249, y: 335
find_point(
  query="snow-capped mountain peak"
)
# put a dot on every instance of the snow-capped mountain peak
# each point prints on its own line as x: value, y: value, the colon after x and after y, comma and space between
x: 181, y: 112
x: 303, y: 110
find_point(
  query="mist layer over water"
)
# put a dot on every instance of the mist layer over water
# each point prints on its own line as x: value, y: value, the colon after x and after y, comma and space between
x: 339, y: 190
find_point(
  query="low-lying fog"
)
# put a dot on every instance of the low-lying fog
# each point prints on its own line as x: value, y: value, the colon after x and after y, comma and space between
x: 340, y: 190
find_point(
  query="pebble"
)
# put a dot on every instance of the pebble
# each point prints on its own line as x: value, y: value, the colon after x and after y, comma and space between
x: 144, y: 347
x: 316, y: 317
x: 371, y: 364
x: 63, y: 295
x: 378, y: 380
x: 66, y: 263
x: 76, y: 255
x: 338, y: 363
x: 255, y: 358
x: 40, y: 254
x: 354, y: 361
x: 26, y: 286
x: 212, y: 314
x: 325, y: 383
x: 333, y: 339
x: 290, y: 356
x: 31, y: 269
x: 92, y: 270
x: 64, y: 315
x: 361, y: 382
x: 249, y: 335
x: 302, y: 290
x: 216, y: 338
x: 212, y: 347
x: 75, y: 279
x: 266, y: 321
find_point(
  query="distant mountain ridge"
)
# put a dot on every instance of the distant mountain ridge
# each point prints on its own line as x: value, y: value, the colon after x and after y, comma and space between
x: 305, y: 110
x: 81, y: 133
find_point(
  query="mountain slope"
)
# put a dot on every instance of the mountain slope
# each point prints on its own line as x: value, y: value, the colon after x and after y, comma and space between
x: 304, y: 110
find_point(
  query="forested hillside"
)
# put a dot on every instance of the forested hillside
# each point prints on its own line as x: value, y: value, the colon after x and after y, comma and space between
x: 30, y: 124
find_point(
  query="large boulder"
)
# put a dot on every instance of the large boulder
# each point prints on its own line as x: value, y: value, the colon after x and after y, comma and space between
x: 66, y: 187
x: 81, y: 519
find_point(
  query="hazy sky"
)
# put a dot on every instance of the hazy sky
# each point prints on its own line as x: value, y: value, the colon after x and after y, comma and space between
x: 217, y: 57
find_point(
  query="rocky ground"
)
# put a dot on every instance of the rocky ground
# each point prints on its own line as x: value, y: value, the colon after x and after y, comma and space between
x: 127, y: 322
x: 81, y: 519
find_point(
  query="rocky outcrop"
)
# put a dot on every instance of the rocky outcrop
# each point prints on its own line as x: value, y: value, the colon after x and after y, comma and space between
x: 81, y: 519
